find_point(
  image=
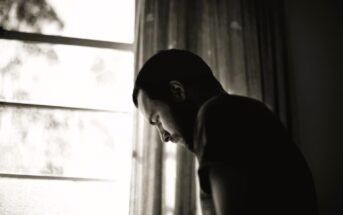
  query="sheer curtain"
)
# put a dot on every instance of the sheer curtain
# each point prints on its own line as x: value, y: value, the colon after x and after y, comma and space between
x: 241, y: 40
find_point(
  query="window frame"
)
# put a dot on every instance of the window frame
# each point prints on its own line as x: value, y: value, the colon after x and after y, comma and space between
x: 62, y: 40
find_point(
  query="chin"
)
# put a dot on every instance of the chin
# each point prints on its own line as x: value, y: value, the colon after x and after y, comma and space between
x: 180, y: 141
x: 176, y: 139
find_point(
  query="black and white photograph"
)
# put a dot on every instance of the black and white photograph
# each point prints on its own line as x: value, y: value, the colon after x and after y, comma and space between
x: 171, y: 107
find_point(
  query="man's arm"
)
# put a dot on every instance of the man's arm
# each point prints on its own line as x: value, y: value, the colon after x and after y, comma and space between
x: 227, y: 190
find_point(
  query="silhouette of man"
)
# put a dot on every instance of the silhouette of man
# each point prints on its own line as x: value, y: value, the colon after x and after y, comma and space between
x: 247, y: 162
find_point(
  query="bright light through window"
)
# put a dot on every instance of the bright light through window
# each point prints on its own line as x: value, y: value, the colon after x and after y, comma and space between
x: 111, y: 20
x: 170, y: 176
x: 66, y: 75
x: 66, y: 115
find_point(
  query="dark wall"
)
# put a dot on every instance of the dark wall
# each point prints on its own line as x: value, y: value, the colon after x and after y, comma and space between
x: 313, y: 33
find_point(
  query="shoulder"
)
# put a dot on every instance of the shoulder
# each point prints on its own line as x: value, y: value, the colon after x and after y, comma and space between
x: 231, y: 107
x: 222, y: 116
x: 233, y: 124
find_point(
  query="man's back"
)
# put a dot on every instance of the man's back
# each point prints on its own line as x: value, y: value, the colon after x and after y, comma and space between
x: 244, y: 137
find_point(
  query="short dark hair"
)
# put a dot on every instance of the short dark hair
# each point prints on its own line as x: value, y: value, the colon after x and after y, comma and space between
x: 174, y: 64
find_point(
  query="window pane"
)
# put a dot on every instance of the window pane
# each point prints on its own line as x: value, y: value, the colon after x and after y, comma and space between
x: 111, y: 20
x: 69, y: 143
x: 66, y: 75
x: 42, y: 197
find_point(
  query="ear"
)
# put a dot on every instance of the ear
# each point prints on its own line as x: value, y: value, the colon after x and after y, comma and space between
x: 177, y: 91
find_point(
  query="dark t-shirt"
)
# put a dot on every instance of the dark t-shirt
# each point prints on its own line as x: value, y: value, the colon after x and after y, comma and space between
x: 245, y: 138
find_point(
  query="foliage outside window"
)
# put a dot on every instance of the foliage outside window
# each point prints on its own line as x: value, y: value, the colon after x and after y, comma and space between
x: 66, y: 73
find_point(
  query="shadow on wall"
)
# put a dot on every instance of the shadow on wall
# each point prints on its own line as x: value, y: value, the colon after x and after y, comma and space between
x: 314, y: 43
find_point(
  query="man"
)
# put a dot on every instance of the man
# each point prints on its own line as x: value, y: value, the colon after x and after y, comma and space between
x: 247, y: 162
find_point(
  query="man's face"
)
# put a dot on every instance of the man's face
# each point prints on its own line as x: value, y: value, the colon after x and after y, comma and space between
x: 159, y: 114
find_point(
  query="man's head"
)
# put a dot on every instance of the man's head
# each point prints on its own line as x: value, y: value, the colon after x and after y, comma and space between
x: 169, y: 90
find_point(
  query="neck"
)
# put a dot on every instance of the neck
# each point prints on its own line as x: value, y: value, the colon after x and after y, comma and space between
x: 200, y: 100
x: 193, y: 108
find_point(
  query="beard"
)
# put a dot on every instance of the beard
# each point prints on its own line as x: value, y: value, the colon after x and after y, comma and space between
x: 184, y: 115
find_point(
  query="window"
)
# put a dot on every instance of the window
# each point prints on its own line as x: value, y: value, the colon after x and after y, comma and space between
x: 66, y: 118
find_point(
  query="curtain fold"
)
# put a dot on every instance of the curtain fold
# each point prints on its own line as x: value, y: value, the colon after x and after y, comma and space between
x: 241, y: 40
